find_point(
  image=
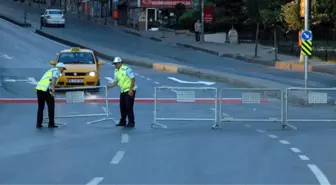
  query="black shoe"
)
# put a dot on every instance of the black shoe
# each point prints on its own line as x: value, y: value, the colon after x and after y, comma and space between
x: 130, y: 125
x: 121, y: 124
x: 52, y: 126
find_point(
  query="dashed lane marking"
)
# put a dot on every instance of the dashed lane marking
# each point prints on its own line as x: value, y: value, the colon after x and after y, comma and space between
x: 323, y: 180
x: 156, y: 82
x: 261, y: 131
x: 247, y: 125
x: 95, y: 181
x: 124, y: 138
x: 284, y: 142
x: 117, y: 157
x: 304, y: 158
x: 296, y: 150
x: 148, y: 79
x: 272, y: 136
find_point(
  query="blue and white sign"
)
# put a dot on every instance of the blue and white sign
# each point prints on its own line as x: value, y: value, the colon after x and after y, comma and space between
x: 306, y: 35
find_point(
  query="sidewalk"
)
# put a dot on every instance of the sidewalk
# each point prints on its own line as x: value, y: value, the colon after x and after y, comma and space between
x: 244, y: 52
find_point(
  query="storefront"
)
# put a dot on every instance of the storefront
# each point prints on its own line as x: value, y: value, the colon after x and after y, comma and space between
x: 147, y: 14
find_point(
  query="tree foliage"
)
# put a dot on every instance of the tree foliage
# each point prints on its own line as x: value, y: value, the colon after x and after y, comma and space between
x: 289, y: 15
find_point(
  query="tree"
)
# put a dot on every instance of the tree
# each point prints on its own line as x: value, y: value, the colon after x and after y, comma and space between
x: 252, y: 10
x: 270, y: 16
x: 289, y: 15
x: 330, y: 12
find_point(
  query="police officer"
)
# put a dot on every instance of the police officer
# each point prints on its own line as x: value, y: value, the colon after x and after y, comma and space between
x: 45, y: 91
x: 126, y: 79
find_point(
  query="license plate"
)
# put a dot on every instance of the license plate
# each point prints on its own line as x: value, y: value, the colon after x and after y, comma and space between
x: 75, y: 80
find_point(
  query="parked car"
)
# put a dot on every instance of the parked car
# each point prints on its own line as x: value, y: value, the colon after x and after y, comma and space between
x: 52, y: 17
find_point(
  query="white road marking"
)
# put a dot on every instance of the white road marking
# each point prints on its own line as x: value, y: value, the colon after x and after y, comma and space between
x: 323, y: 180
x: 188, y: 82
x: 284, y: 142
x: 117, y: 158
x: 124, y: 138
x: 95, y: 181
x: 247, y: 125
x: 156, y: 82
x: 5, y: 56
x: 104, y: 109
x: 304, y: 158
x: 32, y: 81
x: 291, y: 126
x: 141, y: 76
x: 148, y: 79
x: 273, y: 136
x: 261, y: 131
x: 109, y: 79
x: 295, y: 150
x: 136, y: 74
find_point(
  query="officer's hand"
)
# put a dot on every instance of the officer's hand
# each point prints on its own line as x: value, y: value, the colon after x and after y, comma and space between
x: 130, y: 93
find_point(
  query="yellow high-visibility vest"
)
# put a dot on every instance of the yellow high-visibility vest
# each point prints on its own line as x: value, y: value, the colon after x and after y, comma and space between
x: 123, y: 80
x: 45, y: 81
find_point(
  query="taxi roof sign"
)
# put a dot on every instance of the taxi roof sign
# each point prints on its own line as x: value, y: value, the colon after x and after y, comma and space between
x: 75, y: 49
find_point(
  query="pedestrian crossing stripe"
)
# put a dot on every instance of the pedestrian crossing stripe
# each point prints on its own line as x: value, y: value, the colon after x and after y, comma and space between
x: 307, y: 47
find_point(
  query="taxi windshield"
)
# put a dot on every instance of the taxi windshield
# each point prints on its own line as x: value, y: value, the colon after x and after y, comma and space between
x: 76, y: 58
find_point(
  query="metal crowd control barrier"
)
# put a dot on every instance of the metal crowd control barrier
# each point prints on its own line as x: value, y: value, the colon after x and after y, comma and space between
x: 310, y: 105
x: 251, y: 105
x: 185, y: 104
x: 81, y: 103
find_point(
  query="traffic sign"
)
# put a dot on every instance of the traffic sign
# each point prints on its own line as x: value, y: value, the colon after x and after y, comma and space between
x: 306, y: 35
x: 307, y: 47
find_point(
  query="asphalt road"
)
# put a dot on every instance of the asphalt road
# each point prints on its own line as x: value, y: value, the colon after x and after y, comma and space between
x: 185, y: 153
x: 114, y: 40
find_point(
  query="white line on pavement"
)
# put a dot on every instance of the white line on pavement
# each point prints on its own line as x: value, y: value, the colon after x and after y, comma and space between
x: 124, y: 138
x: 304, y: 158
x: 109, y: 79
x: 261, y: 131
x: 117, y: 157
x: 141, y: 76
x: 284, y: 142
x: 295, y: 150
x: 247, y: 125
x: 148, y: 79
x: 318, y: 174
x: 95, y: 181
x: 104, y: 109
x: 156, y: 82
x: 273, y: 136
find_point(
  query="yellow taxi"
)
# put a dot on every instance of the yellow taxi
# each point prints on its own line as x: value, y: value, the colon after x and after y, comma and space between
x: 82, y: 68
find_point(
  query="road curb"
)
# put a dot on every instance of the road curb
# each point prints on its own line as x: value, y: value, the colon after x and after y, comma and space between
x: 229, y: 55
x: 232, y: 79
x: 14, y: 21
x: 293, y: 66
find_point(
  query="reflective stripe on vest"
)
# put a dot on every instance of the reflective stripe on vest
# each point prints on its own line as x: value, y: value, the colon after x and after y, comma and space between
x: 45, y: 81
x: 123, y: 80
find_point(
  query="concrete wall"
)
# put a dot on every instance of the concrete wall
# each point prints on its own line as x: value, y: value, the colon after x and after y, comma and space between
x: 216, y: 37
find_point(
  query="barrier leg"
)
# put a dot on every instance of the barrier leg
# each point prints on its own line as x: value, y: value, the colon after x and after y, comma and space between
x: 100, y: 120
x: 158, y: 124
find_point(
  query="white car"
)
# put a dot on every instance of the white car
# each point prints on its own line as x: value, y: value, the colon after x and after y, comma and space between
x: 53, y: 17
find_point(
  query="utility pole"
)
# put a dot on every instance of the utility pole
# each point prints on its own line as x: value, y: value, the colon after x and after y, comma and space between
x: 306, y: 29
x: 306, y: 36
